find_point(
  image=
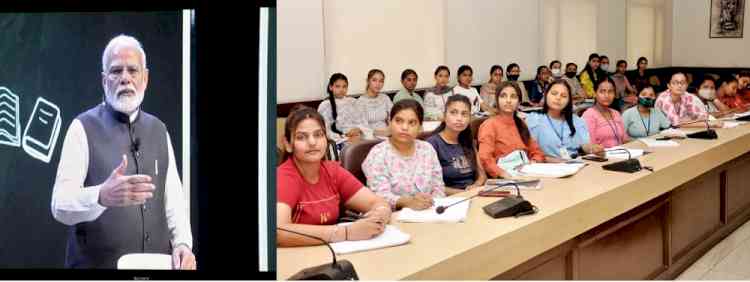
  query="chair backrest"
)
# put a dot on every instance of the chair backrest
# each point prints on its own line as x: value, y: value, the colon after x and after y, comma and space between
x: 353, y: 155
x: 475, y: 127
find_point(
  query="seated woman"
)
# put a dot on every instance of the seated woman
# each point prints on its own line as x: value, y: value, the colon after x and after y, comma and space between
x: 456, y: 148
x: 537, y: 90
x: 434, y: 99
x: 623, y: 89
x: 504, y: 139
x: 683, y: 109
x: 590, y: 75
x: 604, y: 123
x: 555, y: 70
x: 487, y: 92
x: 513, y: 72
x: 311, y: 191
x: 374, y: 105
x: 561, y: 134
x: 465, y: 76
x: 727, y: 94
x: 409, y: 83
x: 640, y: 78
x: 743, y: 90
x: 575, y: 86
x: 645, y: 120
x: 344, y: 121
x: 707, y: 94
x: 404, y: 170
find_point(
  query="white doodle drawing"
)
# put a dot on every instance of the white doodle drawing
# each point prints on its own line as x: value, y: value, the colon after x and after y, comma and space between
x: 10, y: 125
x: 42, y: 130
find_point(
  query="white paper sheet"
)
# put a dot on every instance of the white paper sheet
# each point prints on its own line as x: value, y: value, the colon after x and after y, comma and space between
x: 392, y: 236
x: 453, y: 214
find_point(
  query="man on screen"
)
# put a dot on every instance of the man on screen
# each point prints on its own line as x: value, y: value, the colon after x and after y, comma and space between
x: 117, y: 185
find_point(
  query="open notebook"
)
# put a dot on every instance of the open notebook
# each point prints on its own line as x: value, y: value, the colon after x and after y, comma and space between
x: 551, y: 170
x: 652, y: 142
x: 620, y: 154
x: 392, y: 236
x: 454, y: 214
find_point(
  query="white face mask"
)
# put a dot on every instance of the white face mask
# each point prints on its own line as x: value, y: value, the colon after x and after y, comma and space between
x: 605, y: 67
x: 556, y: 72
x: 707, y: 94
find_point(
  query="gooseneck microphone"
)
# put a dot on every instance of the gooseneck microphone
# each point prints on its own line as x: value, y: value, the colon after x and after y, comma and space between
x: 441, y: 209
x: 630, y: 165
x: 337, y: 270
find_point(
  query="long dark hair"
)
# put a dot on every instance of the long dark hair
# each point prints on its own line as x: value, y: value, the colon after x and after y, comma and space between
x: 520, y: 124
x: 335, y: 77
x: 407, y: 104
x: 298, y: 114
x: 567, y: 111
x: 464, y: 137
x: 588, y: 69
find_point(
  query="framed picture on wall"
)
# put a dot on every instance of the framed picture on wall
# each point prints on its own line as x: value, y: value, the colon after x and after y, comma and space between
x: 727, y: 19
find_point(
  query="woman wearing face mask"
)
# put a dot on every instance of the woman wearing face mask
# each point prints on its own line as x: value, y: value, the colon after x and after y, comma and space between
x: 575, y: 86
x: 604, y: 123
x: 707, y: 93
x: 435, y: 99
x: 556, y: 71
x: 504, y: 139
x: 561, y: 134
x: 488, y: 89
x: 683, y: 109
x: 624, y: 91
x: 590, y: 75
x: 604, y: 65
x: 404, y: 170
x: 456, y: 148
x: 375, y: 106
x: 513, y: 71
x: 645, y: 120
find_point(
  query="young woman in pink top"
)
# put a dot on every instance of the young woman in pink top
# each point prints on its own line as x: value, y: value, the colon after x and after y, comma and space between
x: 605, y: 124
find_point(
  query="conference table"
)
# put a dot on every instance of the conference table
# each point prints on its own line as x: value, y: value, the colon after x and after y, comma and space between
x: 597, y: 224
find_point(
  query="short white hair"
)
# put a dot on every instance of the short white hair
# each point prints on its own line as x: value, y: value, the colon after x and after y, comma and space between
x: 122, y: 40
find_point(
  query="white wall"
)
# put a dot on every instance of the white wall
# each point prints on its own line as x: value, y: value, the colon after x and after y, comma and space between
x: 483, y: 33
x: 319, y: 37
x: 691, y: 46
x: 300, y: 61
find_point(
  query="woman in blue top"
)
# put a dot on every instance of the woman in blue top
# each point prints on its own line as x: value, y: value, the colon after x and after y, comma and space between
x: 561, y: 134
x: 645, y: 120
x: 456, y: 148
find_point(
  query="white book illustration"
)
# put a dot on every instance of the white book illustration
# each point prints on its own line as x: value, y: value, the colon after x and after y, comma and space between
x: 42, y: 130
x: 10, y: 125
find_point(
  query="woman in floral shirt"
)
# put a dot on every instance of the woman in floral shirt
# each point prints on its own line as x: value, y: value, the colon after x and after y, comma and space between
x: 403, y: 170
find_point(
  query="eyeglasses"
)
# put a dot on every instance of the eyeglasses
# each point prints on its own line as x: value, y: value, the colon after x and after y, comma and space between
x: 678, y: 83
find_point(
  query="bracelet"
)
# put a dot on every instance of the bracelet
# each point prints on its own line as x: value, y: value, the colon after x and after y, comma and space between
x: 346, y: 233
x: 335, y: 228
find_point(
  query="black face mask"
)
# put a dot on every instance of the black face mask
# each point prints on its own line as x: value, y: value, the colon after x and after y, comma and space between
x: 570, y: 74
x: 513, y: 77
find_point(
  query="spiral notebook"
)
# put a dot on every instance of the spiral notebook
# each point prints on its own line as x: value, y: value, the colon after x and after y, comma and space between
x: 392, y: 236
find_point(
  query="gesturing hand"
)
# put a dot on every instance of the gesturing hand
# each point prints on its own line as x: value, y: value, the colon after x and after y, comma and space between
x: 120, y: 190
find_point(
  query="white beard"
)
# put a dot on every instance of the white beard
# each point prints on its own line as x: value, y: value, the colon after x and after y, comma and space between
x: 125, y: 104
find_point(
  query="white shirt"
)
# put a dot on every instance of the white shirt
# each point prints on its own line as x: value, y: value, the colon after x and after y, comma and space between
x: 72, y: 203
x: 473, y: 96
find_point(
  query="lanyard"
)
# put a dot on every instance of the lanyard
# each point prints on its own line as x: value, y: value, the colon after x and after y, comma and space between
x: 614, y: 131
x: 561, y: 135
x: 648, y: 128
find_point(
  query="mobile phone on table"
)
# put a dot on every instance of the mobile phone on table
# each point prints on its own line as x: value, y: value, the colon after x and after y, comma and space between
x: 500, y: 193
x: 594, y: 158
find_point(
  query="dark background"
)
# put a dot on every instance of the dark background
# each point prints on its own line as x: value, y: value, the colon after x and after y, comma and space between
x: 58, y: 56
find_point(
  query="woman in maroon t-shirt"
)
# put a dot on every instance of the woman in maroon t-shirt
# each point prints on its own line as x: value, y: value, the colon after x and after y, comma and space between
x: 311, y: 192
